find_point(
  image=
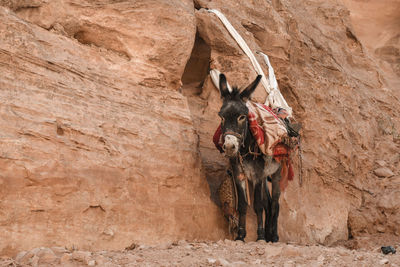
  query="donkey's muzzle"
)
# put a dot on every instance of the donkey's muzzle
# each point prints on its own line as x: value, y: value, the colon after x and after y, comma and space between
x: 231, y: 145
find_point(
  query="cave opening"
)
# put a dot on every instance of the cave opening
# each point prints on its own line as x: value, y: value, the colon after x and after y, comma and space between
x: 194, y: 80
x: 197, y: 67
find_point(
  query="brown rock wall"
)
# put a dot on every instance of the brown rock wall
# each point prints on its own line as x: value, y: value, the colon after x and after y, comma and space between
x: 97, y: 151
x: 339, y: 94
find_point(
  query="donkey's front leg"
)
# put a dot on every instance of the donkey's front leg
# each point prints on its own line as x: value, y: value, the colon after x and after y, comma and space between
x: 242, y: 209
x: 241, y: 194
x: 272, y: 234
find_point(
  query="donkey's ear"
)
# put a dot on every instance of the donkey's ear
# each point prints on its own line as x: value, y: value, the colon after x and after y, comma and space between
x: 246, y: 93
x: 223, y: 86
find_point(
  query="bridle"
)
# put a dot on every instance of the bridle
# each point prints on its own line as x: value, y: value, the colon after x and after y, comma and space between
x: 241, y: 136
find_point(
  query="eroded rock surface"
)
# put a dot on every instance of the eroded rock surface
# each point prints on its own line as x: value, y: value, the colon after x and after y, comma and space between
x: 98, y: 148
x: 347, y: 108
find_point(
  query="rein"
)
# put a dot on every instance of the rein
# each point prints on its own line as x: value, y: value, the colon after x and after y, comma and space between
x: 242, y: 176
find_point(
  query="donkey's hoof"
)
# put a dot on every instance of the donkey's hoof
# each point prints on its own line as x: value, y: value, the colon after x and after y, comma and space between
x: 260, y: 234
x: 271, y: 238
x: 260, y: 238
x: 241, y: 234
x: 268, y: 238
x: 275, y: 239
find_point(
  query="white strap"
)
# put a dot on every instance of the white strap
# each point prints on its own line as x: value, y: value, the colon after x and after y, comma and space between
x: 214, y: 73
x: 242, y: 45
x: 274, y: 98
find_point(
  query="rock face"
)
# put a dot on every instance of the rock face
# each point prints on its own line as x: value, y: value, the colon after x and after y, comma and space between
x: 98, y: 149
x: 107, y: 113
x: 377, y: 25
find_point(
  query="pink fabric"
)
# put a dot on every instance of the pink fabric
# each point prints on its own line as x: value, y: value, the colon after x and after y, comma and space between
x: 265, y: 126
x: 217, y: 139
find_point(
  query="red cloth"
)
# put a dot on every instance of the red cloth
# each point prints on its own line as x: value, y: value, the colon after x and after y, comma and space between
x: 282, y: 155
x: 217, y: 139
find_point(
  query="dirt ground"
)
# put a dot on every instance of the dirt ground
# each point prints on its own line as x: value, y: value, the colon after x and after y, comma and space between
x: 221, y: 253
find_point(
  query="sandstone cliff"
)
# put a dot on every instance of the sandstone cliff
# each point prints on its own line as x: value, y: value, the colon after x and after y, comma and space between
x: 107, y: 113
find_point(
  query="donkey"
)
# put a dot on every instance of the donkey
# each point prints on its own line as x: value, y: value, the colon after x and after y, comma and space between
x: 248, y: 166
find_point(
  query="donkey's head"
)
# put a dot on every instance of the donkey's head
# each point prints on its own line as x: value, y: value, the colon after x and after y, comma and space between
x: 233, y: 113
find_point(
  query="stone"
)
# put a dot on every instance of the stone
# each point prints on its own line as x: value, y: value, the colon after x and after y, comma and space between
x: 35, y: 261
x: 109, y: 232
x: 59, y: 250
x: 182, y: 242
x: 384, y: 261
x: 65, y: 258
x: 229, y: 242
x: 380, y: 229
x: 383, y: 172
x: 47, y: 256
x: 82, y: 256
x: 222, y: 262
x: 321, y: 259
x: 100, y: 260
x: 26, y: 258
x: 381, y: 163
x: 272, y: 251
x: 20, y: 255
x: 211, y: 261
x: 256, y: 262
x: 289, y: 264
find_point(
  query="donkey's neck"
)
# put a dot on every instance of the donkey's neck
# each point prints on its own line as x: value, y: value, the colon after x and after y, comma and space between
x: 247, y: 142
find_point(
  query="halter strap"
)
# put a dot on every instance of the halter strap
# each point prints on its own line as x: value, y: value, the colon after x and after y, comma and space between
x: 241, y: 137
x: 234, y: 134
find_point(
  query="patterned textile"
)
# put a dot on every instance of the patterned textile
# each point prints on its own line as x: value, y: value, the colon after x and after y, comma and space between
x: 282, y: 155
x: 228, y: 198
x: 266, y: 127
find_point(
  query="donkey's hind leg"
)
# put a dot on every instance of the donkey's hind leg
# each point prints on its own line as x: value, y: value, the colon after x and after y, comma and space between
x: 272, y: 230
x: 267, y: 207
x: 258, y: 208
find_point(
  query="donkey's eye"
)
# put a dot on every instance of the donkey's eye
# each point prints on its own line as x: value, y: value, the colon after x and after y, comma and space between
x: 241, y: 118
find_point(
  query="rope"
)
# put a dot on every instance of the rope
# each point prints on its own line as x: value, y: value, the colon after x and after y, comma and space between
x: 246, y: 181
x: 300, y: 164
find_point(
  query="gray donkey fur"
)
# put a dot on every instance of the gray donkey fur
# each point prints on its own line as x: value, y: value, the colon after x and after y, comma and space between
x: 239, y: 146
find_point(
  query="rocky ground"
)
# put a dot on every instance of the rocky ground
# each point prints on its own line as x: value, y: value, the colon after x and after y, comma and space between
x: 221, y: 253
